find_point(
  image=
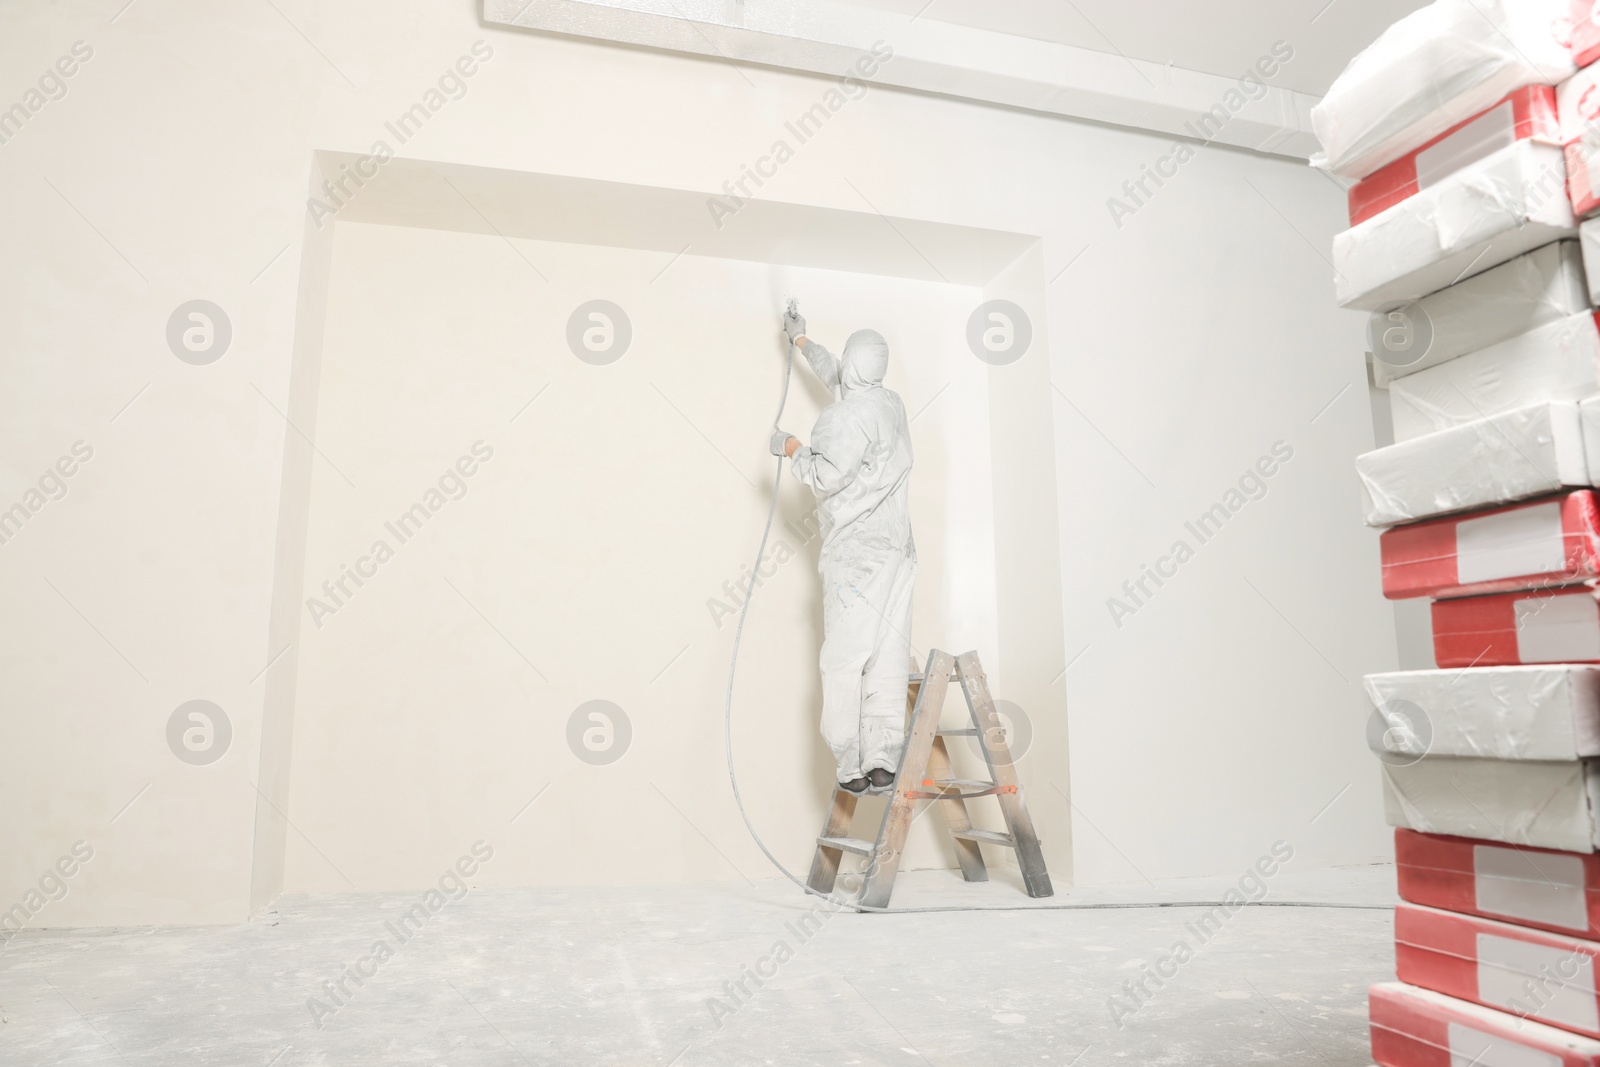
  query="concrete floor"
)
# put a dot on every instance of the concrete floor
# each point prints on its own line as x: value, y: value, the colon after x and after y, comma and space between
x: 628, y: 976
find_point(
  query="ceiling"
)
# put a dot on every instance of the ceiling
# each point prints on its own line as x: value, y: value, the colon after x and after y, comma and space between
x: 1216, y: 37
x: 1026, y: 55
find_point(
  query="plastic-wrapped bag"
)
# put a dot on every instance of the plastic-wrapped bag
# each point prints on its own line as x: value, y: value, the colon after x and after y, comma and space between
x: 1505, y: 458
x: 1585, y: 32
x: 1508, y: 301
x: 1557, y: 361
x: 1433, y: 69
x: 1510, y: 203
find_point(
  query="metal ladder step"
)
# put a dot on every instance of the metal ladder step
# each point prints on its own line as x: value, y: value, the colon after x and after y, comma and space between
x: 987, y: 837
x: 959, y: 731
x: 847, y: 844
x: 958, y: 783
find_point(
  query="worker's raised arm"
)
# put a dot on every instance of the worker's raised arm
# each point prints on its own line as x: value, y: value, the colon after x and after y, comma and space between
x: 824, y: 364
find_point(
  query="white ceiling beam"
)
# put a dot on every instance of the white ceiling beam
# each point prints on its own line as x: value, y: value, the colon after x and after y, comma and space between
x: 828, y: 37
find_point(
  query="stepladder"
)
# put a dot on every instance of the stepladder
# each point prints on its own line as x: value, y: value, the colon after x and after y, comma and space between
x: 925, y: 775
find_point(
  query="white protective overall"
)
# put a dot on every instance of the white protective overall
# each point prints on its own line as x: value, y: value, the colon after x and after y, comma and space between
x: 859, y: 466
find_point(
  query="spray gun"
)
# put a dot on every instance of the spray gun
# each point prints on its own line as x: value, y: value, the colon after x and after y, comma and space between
x: 791, y: 311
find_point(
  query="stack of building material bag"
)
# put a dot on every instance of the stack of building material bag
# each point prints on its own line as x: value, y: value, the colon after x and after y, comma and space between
x: 1458, y: 128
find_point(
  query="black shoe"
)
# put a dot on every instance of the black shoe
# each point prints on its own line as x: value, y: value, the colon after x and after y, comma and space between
x: 880, y: 780
x: 855, y: 785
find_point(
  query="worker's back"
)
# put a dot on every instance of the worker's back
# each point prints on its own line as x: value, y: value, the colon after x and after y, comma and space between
x: 871, y: 505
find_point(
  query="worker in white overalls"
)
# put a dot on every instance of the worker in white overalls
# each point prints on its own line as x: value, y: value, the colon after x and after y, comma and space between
x: 859, y: 466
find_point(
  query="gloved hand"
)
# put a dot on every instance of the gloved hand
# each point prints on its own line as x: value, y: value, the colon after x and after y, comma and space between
x: 780, y: 441
x: 794, y: 325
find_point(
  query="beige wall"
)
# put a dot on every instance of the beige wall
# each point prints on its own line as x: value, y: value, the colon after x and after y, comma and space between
x: 595, y: 540
x: 176, y: 167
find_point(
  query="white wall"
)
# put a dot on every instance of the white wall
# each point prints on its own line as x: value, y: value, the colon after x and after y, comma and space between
x: 1227, y: 712
x: 176, y: 166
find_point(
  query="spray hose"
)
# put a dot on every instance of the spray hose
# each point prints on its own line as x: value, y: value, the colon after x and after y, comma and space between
x: 733, y: 777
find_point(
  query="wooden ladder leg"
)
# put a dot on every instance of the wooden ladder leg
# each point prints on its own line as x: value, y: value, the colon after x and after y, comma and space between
x: 992, y: 739
x: 955, y: 816
x: 825, y: 864
x: 968, y: 854
x: 884, y: 862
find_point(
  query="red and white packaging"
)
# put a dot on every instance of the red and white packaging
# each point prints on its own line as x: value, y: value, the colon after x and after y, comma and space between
x: 1510, y: 202
x: 1528, y: 973
x: 1583, y: 177
x: 1530, y: 113
x: 1578, y: 104
x: 1525, y: 546
x: 1585, y: 32
x: 1435, y: 68
x: 1414, y: 1027
x: 1578, y: 109
x: 1544, y: 626
x: 1536, y: 887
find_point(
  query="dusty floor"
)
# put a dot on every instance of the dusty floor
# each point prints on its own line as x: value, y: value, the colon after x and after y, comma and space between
x: 649, y: 976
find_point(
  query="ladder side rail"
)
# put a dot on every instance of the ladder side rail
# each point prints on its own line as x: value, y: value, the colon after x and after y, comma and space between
x: 992, y: 740
x: 898, y: 813
x: 825, y: 863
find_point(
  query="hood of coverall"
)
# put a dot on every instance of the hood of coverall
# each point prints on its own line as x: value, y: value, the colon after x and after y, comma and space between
x: 866, y: 360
